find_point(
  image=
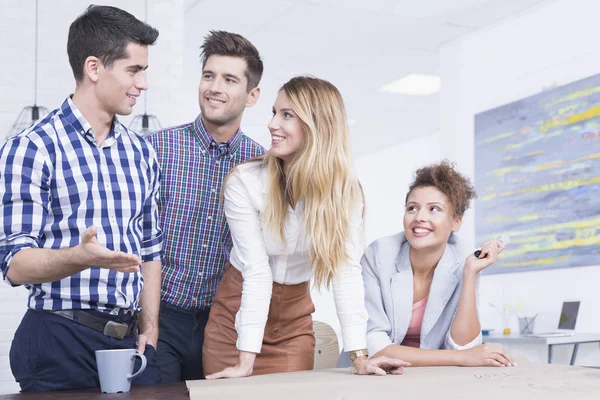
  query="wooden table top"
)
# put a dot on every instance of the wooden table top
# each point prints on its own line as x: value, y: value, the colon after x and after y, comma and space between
x: 171, y: 391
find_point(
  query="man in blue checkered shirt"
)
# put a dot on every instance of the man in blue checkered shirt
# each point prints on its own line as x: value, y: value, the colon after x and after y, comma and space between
x: 79, y: 215
x: 195, y: 158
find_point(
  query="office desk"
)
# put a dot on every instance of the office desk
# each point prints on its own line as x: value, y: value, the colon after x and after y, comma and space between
x: 526, y: 382
x: 171, y: 391
x: 575, y: 340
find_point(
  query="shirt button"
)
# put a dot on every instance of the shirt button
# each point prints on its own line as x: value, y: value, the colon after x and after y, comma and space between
x: 217, y: 162
x: 205, y: 245
x: 209, y: 217
x: 214, y: 191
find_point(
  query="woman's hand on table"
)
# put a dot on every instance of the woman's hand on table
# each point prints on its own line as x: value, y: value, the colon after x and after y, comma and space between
x: 381, y: 365
x: 486, y: 355
x: 244, y: 367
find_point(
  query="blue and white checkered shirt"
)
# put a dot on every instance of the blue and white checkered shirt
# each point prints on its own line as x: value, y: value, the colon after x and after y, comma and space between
x: 55, y: 181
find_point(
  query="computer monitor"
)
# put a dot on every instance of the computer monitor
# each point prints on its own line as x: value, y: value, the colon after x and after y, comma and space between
x: 568, y: 315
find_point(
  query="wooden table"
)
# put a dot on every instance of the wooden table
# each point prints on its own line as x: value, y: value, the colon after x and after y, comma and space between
x: 171, y: 391
x: 525, y: 382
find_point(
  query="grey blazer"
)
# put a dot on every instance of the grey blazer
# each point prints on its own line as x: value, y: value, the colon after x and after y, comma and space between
x: 388, y: 280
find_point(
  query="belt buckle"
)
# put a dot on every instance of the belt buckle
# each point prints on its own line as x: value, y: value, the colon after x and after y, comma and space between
x: 117, y: 330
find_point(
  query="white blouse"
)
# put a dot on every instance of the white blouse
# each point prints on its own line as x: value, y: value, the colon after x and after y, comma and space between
x: 263, y: 258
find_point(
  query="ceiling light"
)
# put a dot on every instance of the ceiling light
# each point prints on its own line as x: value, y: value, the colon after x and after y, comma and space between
x: 146, y: 123
x: 30, y: 114
x: 414, y: 85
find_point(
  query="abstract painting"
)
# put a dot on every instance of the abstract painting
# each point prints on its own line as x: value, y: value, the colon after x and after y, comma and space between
x: 537, y: 176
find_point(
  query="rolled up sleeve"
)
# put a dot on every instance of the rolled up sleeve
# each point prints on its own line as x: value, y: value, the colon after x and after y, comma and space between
x: 25, y: 183
x: 152, y: 233
x: 450, y: 344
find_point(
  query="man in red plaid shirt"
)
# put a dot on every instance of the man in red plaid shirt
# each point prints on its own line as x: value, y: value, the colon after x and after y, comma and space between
x: 195, y: 158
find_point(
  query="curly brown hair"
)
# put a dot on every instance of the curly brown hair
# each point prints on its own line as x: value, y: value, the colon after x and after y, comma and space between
x: 453, y: 184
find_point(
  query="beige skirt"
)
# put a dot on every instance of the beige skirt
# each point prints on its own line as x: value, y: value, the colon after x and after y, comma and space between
x: 288, y: 343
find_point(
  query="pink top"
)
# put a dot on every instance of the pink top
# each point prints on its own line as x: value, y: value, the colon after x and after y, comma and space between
x: 413, y: 334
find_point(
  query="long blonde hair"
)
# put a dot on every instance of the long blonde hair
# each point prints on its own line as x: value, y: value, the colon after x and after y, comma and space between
x: 320, y: 176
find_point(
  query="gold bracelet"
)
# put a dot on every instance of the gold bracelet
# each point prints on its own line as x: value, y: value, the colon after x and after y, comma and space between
x: 358, y: 353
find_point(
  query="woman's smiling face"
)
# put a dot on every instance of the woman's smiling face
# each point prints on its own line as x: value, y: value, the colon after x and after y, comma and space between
x: 429, y: 218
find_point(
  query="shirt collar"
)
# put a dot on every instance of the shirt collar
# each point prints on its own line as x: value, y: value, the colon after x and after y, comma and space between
x: 206, y: 138
x: 74, y: 117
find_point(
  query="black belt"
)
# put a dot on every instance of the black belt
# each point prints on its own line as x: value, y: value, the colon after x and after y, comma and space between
x: 108, y: 327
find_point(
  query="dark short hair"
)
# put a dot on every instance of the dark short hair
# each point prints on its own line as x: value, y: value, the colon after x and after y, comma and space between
x: 446, y: 179
x: 105, y: 32
x: 223, y: 43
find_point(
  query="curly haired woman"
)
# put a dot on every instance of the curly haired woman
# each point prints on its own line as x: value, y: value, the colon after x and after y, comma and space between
x: 421, y: 298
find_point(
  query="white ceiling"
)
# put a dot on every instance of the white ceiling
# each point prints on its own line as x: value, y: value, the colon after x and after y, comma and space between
x: 359, y: 45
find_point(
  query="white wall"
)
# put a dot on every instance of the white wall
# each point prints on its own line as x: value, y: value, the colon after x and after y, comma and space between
x: 515, y: 58
x: 385, y: 176
x: 549, y: 45
x: 55, y: 79
x: 55, y: 82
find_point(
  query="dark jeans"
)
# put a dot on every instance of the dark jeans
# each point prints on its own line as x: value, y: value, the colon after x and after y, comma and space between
x: 180, y: 343
x: 49, y: 352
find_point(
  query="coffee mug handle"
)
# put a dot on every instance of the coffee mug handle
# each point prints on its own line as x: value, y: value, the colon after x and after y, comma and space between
x: 142, y: 368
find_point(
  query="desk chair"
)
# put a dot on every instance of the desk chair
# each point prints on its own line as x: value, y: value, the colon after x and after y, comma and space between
x: 327, y: 348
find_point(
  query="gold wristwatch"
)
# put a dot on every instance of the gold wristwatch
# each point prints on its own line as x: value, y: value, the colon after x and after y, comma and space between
x: 358, y: 353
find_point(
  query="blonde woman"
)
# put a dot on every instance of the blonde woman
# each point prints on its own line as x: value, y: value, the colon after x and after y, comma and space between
x: 294, y: 214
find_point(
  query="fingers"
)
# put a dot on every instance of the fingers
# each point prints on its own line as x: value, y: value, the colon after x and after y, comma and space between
x: 501, y: 246
x: 379, y: 366
x: 94, y: 253
x: 141, y: 346
x: 124, y: 267
x: 122, y: 257
x: 89, y: 234
x: 501, y: 359
x: 231, y: 372
x: 505, y: 358
x: 489, y: 361
x: 374, y: 370
x: 365, y: 366
x: 500, y: 355
x: 217, y: 375
x: 387, y: 362
x: 396, y: 371
x: 489, y: 251
x: 123, y: 262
